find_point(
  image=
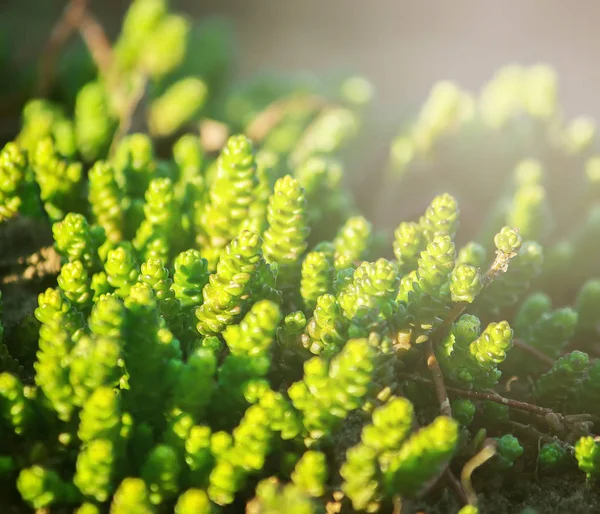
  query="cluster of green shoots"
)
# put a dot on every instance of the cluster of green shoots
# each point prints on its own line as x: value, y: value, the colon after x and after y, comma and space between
x: 224, y: 332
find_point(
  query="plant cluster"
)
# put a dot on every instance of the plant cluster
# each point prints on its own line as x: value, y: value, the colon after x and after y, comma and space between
x: 224, y: 333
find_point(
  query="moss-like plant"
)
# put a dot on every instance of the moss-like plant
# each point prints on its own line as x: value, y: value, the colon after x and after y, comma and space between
x: 220, y: 328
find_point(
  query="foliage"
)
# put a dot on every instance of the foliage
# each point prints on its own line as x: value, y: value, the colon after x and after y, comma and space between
x: 224, y: 330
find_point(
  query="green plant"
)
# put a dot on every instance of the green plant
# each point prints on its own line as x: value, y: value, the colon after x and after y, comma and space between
x: 225, y: 332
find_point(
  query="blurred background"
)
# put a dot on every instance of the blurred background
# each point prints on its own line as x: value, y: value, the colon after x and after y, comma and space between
x: 402, y: 47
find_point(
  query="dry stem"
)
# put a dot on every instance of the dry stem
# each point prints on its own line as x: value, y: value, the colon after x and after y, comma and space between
x: 555, y: 420
x: 489, y: 396
x: 76, y: 16
x: 445, y: 409
x: 63, y: 29
x: 542, y: 357
x: 499, y: 265
x: 456, y: 486
x: 438, y: 380
x: 532, y: 432
x: 275, y: 112
x: 128, y: 112
x: 96, y: 40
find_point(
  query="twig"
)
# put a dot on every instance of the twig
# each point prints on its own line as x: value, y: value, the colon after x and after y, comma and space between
x: 485, y: 454
x: 496, y: 398
x: 96, y: 40
x: 128, y: 111
x: 441, y: 330
x: 499, y: 265
x: 274, y: 113
x: 542, y: 357
x: 568, y: 425
x: 308, y: 131
x: 445, y: 409
x: 456, y: 486
x: 62, y: 31
x: 533, y: 432
x: 438, y: 380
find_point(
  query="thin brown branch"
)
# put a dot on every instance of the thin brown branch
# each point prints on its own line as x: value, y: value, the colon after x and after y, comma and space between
x: 441, y: 330
x: 308, y: 131
x: 63, y: 29
x: 542, y: 357
x: 96, y: 40
x: 499, y: 265
x: 128, y: 111
x: 445, y: 409
x: 438, y: 380
x: 489, y: 396
x: 275, y: 112
x: 532, y: 432
x: 456, y: 486
x: 569, y: 425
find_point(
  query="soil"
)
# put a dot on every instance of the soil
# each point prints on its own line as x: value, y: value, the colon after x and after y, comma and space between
x: 28, y: 265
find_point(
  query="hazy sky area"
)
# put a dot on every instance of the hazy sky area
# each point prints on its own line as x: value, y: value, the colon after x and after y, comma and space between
x: 403, y: 47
